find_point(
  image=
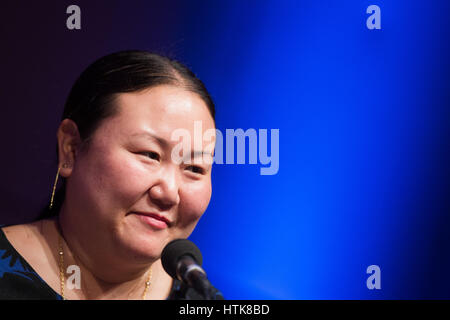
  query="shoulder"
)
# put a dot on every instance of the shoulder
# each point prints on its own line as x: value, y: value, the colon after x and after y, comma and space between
x: 33, y: 241
x: 25, y: 238
x: 24, y: 242
x: 20, y: 230
x: 19, y: 246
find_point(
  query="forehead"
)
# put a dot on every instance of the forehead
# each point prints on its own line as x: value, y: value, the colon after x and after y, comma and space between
x: 160, y: 109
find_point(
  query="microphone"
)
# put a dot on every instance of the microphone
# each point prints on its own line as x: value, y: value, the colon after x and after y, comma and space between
x: 182, y: 260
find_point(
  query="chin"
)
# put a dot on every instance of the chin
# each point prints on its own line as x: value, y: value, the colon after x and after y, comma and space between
x: 151, y: 243
x: 142, y: 245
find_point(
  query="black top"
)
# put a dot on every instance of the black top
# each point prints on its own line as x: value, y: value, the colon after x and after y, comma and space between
x: 19, y: 281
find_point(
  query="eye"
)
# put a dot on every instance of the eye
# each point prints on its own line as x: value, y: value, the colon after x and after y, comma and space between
x: 151, y: 155
x: 196, y: 169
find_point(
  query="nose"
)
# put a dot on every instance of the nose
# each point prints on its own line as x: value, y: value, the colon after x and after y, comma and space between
x: 165, y: 190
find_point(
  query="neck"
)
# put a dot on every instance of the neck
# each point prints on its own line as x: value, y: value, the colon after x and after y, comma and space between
x: 102, y: 276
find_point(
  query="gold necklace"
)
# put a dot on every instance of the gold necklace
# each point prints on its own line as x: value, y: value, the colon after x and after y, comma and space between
x: 62, y: 275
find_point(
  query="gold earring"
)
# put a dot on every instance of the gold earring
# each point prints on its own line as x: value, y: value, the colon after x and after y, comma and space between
x: 54, y: 187
x: 65, y: 165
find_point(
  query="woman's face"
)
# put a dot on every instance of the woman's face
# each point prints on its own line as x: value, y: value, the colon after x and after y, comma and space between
x: 126, y: 193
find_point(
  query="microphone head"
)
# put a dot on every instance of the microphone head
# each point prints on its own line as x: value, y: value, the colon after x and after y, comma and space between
x: 174, y: 250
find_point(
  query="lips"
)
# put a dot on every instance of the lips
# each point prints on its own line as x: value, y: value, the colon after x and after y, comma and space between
x: 153, y: 219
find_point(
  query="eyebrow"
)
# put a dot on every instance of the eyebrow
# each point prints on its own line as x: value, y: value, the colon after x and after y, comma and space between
x: 165, y: 143
x: 147, y: 134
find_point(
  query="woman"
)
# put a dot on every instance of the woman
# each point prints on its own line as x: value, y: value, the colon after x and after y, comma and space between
x: 123, y: 197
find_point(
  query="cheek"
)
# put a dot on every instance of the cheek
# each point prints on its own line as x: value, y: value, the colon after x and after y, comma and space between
x: 112, y: 180
x: 125, y: 177
x: 193, y: 202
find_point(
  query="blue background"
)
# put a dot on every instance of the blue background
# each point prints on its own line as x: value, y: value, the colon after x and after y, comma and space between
x: 364, y: 132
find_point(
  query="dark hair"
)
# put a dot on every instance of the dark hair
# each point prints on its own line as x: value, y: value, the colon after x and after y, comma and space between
x: 91, y: 98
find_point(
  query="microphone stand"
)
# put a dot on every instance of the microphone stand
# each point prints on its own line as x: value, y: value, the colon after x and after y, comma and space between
x: 195, y: 277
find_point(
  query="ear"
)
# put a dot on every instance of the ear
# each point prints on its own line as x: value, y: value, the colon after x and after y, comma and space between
x: 69, y: 143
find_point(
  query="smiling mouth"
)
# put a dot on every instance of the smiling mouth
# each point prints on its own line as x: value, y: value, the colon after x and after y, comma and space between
x: 153, y: 220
